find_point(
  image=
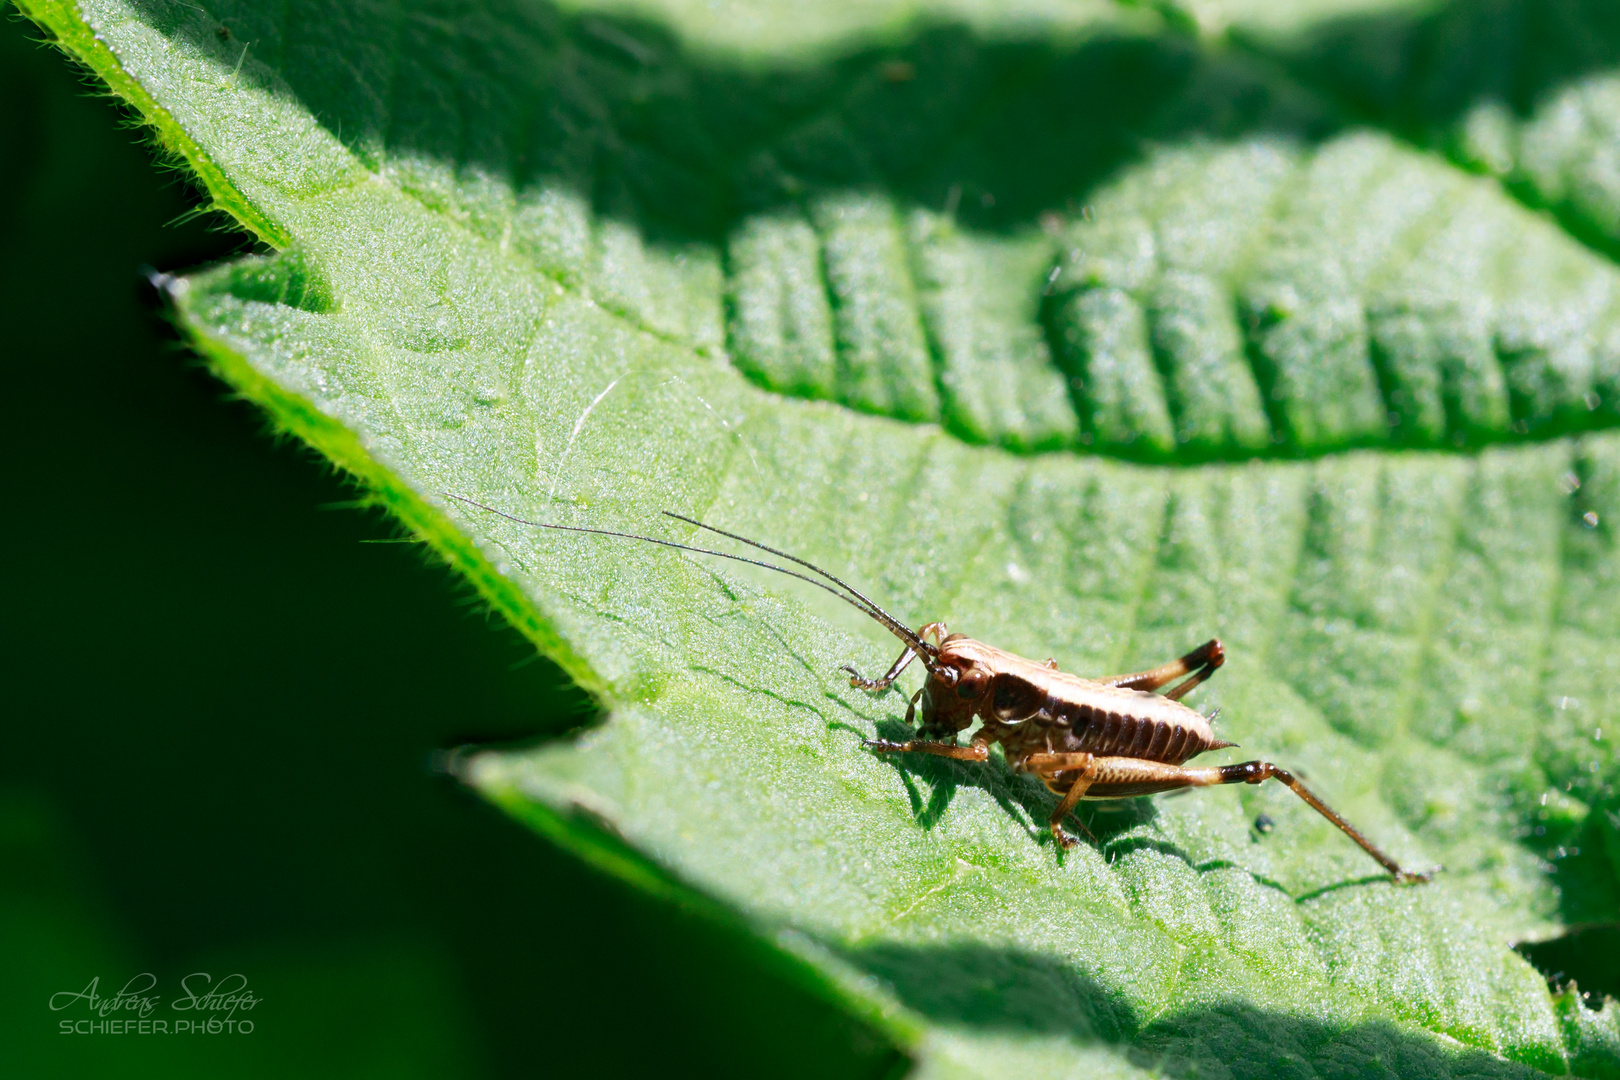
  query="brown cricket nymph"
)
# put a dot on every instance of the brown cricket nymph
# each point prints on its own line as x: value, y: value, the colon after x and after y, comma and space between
x: 1114, y: 737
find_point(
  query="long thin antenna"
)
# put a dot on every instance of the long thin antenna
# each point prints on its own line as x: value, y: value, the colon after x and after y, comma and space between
x: 862, y: 604
x: 894, y: 624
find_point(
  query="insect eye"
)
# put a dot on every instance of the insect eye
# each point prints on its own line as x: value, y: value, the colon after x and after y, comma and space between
x: 972, y: 684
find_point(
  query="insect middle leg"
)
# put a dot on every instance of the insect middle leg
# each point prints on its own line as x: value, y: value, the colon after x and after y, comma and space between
x: 973, y: 752
x: 1200, y: 664
x: 1048, y: 767
x: 1124, y: 777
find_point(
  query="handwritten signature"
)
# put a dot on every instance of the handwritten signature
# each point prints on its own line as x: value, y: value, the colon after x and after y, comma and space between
x: 200, y: 995
x: 132, y: 998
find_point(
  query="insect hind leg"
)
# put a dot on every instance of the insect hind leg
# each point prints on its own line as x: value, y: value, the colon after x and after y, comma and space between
x: 1121, y: 777
x: 1256, y: 772
x: 1200, y: 664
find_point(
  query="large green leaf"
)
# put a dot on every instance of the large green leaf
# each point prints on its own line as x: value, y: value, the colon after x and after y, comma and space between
x: 924, y: 293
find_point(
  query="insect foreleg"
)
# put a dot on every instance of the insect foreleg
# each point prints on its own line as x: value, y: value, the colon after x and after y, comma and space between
x: 1200, y: 664
x: 935, y: 630
x: 861, y: 682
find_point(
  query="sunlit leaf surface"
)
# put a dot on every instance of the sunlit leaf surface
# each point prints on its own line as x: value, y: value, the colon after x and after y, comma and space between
x: 1094, y: 330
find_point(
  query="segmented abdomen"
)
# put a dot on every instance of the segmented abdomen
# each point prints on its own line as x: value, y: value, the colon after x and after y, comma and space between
x: 1115, y: 734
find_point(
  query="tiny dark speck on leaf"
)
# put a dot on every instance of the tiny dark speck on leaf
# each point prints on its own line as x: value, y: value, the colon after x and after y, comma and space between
x: 1263, y: 824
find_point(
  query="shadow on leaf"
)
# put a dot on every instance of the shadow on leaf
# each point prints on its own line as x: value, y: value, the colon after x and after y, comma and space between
x: 1421, y: 68
x: 684, y: 143
x: 980, y: 986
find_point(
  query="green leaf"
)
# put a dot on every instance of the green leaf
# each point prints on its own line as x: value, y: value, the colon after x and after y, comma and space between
x: 915, y: 293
